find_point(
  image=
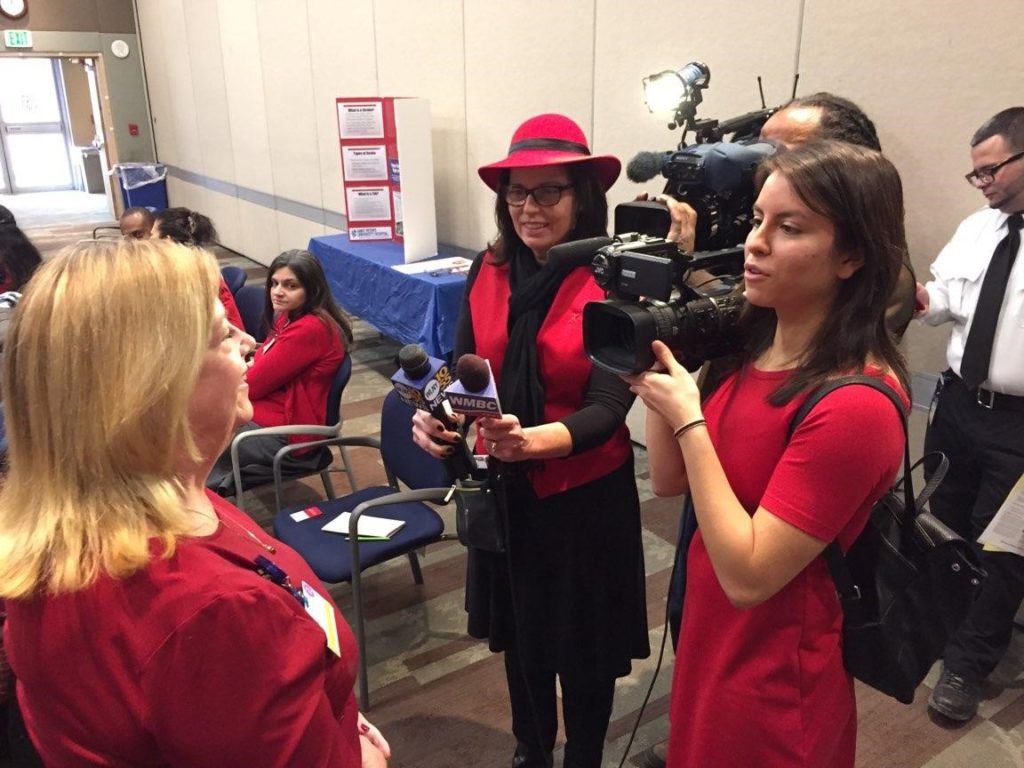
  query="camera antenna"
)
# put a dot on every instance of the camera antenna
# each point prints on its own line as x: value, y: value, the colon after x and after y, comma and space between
x: 796, y: 79
x: 760, y: 90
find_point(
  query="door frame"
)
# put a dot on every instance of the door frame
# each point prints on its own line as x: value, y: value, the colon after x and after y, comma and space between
x: 103, y: 122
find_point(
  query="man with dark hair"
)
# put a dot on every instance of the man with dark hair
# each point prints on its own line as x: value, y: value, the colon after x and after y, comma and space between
x: 136, y: 223
x: 977, y: 417
x: 821, y: 115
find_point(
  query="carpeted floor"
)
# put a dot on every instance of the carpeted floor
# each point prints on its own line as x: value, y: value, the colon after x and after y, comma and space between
x: 440, y: 698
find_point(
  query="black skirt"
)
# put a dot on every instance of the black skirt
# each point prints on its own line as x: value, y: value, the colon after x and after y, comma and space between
x: 575, y: 568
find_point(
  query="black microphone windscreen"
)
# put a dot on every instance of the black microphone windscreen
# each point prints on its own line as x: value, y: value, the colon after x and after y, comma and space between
x: 645, y: 166
x: 578, y: 250
x: 473, y: 372
x: 414, y: 360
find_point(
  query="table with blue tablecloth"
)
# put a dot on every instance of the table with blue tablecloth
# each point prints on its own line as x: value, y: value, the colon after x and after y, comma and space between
x: 413, y: 309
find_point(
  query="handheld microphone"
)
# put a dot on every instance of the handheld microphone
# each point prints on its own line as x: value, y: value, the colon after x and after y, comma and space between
x: 474, y: 394
x: 420, y: 382
x: 646, y: 165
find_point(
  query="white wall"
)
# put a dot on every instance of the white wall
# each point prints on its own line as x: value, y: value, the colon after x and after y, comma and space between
x: 243, y: 92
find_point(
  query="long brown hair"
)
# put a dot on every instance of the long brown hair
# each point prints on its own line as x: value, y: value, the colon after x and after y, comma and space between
x: 860, y: 192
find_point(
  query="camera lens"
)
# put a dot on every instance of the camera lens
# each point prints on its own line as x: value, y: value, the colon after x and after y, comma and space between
x: 617, y: 335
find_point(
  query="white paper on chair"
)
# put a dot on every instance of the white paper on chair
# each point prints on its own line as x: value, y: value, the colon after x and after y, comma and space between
x: 369, y: 527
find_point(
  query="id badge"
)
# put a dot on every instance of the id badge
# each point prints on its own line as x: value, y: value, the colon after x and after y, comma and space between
x: 322, y: 613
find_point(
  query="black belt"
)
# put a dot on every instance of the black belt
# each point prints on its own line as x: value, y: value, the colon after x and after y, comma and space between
x: 993, y: 401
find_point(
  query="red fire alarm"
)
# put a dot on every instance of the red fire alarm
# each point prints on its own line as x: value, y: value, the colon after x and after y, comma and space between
x: 133, y: 129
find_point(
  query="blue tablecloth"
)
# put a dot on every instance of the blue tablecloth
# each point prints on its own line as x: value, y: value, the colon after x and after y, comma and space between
x: 413, y: 309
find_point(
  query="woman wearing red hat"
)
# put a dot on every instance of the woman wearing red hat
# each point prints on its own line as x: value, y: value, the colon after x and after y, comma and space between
x: 567, y: 597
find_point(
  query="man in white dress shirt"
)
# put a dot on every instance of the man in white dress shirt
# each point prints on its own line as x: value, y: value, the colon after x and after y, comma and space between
x: 978, y: 414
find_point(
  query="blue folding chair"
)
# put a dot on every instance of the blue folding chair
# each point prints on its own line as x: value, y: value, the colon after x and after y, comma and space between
x: 250, y: 300
x: 235, y: 277
x: 320, y: 461
x: 333, y: 559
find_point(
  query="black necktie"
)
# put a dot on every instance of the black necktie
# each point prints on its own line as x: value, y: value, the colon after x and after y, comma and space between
x: 978, y: 350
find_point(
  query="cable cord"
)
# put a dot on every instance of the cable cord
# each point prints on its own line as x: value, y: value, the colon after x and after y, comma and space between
x: 654, y: 679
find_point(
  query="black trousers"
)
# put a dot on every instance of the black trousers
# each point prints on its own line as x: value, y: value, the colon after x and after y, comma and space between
x: 985, y: 448
x: 586, y: 709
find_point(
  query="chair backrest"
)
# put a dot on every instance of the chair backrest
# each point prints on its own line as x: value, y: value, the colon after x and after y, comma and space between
x: 235, y: 277
x: 341, y: 377
x: 402, y: 457
x: 250, y: 301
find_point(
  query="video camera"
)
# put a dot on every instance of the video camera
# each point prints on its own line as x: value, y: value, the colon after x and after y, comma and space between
x: 646, y: 276
x: 713, y: 176
x: 617, y: 332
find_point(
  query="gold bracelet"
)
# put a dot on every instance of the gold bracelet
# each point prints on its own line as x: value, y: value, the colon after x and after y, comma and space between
x: 687, y: 427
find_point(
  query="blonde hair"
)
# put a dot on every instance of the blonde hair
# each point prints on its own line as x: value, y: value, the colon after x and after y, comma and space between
x: 101, y: 360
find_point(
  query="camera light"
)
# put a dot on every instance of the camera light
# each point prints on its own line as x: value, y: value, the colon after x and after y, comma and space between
x: 665, y: 91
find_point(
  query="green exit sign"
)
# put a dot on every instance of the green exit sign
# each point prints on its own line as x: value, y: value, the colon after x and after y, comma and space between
x: 17, y: 38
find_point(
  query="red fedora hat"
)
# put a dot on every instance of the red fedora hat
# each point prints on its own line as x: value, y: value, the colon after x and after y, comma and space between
x: 550, y: 139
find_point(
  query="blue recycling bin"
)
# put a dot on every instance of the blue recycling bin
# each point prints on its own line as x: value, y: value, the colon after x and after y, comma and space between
x: 143, y: 185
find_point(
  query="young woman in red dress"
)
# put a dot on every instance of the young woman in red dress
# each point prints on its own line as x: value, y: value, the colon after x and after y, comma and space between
x: 759, y: 677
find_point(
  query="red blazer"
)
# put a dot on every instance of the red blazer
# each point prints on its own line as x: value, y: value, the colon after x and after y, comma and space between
x: 292, y: 371
x: 230, y: 308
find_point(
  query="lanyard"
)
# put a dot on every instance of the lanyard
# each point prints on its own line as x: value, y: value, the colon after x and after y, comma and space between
x: 270, y: 570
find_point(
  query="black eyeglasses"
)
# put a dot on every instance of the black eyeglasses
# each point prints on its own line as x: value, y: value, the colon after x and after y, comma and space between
x: 983, y: 176
x: 545, y: 195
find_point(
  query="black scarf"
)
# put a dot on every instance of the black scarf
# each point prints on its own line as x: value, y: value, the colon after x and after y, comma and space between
x: 533, y: 289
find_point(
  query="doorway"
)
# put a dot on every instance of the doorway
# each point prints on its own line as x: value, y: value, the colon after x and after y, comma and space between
x: 33, y: 127
x: 53, y: 164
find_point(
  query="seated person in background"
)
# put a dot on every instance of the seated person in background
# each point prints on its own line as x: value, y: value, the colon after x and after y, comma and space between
x: 18, y: 260
x: 136, y: 222
x: 18, y: 257
x: 140, y: 628
x: 193, y: 228
x: 292, y: 371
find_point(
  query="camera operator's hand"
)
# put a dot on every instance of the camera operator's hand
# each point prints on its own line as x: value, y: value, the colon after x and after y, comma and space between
x: 668, y: 389
x: 425, y: 428
x: 683, y: 231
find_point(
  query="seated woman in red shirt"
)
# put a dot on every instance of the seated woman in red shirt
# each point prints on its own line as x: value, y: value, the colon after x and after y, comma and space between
x: 193, y: 228
x: 292, y: 371
x: 150, y: 622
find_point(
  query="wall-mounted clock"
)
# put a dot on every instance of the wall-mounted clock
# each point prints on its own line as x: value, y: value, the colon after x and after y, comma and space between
x: 14, y: 9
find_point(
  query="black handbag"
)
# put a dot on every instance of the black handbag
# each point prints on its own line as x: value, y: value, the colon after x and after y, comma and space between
x: 478, y: 519
x: 907, y: 581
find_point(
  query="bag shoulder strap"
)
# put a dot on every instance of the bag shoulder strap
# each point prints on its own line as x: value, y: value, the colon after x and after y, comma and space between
x: 845, y: 586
